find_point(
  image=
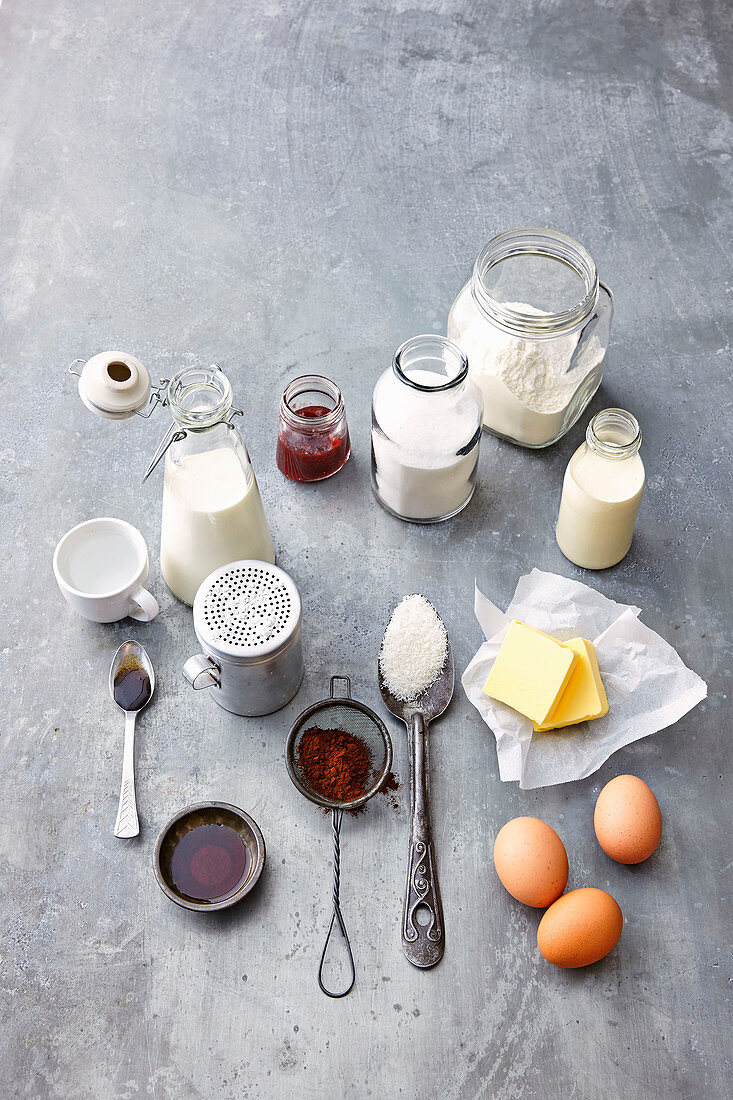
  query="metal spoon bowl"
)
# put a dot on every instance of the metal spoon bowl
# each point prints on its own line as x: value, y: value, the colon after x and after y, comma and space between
x: 423, y: 932
x: 133, y: 655
x: 431, y: 702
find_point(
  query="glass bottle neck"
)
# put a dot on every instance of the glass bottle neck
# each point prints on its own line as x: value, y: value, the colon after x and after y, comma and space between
x: 430, y: 364
x: 199, y: 397
x: 312, y: 403
x: 614, y: 434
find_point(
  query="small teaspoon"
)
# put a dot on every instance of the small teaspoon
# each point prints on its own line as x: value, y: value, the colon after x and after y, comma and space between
x: 131, y: 685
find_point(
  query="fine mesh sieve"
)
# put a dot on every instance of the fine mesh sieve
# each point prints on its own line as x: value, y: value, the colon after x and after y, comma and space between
x: 352, y: 717
x: 247, y: 617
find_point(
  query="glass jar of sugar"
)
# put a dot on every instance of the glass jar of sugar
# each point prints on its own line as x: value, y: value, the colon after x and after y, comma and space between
x: 426, y: 431
x: 534, y: 321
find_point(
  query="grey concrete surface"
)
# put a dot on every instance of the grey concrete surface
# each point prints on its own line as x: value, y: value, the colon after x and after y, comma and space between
x: 283, y: 187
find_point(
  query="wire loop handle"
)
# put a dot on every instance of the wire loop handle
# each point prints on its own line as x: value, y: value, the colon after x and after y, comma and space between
x: 336, y: 916
x: 344, y: 679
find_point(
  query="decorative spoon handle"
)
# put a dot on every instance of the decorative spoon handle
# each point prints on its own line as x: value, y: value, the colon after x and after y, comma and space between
x: 423, y: 934
x: 127, y: 824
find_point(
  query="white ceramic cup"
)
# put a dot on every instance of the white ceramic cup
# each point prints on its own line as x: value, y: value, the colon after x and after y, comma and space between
x: 101, y: 567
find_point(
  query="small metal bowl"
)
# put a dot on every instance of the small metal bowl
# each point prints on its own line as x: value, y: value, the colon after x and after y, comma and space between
x: 208, y: 813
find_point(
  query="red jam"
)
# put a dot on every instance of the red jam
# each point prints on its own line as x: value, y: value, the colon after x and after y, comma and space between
x: 306, y: 452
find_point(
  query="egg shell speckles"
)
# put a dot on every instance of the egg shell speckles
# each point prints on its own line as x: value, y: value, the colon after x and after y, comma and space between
x: 531, y: 861
x: 580, y: 928
x: 627, y: 820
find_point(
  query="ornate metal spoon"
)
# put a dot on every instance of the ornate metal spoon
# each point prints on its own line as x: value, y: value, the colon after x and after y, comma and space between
x: 423, y: 932
x: 131, y: 685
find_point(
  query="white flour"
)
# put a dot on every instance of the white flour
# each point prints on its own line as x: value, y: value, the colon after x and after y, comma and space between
x: 534, y: 370
x: 524, y: 383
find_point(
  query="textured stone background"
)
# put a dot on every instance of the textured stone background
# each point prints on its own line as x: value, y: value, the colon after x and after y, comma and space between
x: 286, y: 187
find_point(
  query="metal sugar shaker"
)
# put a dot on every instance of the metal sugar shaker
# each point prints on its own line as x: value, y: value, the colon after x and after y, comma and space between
x: 247, y: 617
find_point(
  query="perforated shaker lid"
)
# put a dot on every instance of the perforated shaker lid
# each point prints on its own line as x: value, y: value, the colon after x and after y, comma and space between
x: 246, y: 611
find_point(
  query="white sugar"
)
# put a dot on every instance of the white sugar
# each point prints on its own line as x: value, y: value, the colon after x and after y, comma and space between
x: 413, y: 648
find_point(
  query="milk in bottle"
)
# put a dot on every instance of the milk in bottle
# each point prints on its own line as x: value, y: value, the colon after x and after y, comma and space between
x: 212, y: 510
x: 602, y: 491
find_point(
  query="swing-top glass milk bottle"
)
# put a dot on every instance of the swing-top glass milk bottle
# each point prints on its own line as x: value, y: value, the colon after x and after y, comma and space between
x: 212, y: 510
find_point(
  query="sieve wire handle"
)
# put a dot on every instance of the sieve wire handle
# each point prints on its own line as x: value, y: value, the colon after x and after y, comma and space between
x: 336, y: 916
x: 347, y: 681
x: 423, y: 933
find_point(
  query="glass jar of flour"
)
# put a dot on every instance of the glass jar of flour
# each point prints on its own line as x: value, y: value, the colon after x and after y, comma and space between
x: 426, y: 431
x: 534, y: 321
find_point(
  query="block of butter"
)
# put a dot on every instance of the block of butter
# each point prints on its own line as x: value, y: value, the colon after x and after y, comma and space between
x: 584, y: 697
x: 530, y: 672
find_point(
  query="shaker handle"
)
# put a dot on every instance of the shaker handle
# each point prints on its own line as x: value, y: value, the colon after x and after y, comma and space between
x: 198, y: 672
x: 347, y: 681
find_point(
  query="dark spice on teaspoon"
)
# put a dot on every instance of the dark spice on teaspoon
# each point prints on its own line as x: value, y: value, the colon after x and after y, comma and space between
x: 131, y: 687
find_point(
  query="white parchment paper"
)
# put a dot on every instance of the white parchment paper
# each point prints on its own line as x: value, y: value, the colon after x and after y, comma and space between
x: 647, y: 684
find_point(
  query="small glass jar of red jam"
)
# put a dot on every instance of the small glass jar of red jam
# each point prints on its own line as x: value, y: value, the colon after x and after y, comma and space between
x: 313, y: 437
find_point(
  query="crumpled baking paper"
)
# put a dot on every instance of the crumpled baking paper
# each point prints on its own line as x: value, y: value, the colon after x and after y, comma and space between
x: 647, y: 684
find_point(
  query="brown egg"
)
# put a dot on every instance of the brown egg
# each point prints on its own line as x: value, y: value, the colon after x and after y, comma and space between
x: 531, y: 861
x: 627, y: 820
x: 580, y: 928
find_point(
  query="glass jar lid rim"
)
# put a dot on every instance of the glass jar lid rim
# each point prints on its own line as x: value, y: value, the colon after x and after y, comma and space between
x: 312, y: 381
x: 210, y: 378
x: 535, y: 240
x: 414, y: 343
x: 610, y: 448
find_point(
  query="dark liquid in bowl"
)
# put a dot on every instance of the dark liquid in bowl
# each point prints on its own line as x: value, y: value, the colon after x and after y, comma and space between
x: 210, y: 862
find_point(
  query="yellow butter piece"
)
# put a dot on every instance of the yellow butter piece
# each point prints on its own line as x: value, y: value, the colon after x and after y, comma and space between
x: 584, y: 697
x: 530, y: 672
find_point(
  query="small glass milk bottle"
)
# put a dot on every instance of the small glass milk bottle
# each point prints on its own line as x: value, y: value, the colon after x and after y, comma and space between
x: 601, y: 492
x: 212, y: 510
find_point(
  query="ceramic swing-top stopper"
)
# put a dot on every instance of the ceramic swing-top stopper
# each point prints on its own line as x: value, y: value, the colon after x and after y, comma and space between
x: 114, y: 385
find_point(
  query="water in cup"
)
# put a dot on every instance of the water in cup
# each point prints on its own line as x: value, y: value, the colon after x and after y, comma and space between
x: 104, y: 561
